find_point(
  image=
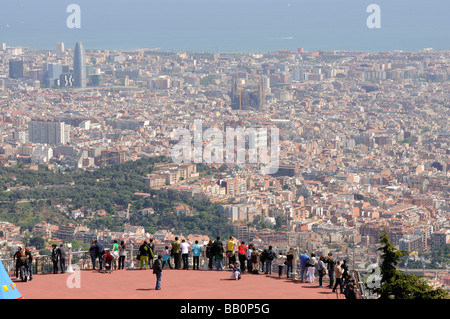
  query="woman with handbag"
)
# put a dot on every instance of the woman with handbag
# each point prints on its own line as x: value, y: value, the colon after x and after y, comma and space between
x: 321, y: 269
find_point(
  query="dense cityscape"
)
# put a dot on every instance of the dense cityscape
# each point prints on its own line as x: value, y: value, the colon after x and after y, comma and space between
x: 363, y: 140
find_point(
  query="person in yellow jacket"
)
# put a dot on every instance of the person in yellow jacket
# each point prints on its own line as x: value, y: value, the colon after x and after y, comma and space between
x: 231, y: 247
x: 145, y: 253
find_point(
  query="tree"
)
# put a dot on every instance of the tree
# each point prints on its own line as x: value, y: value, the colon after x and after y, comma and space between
x: 45, y: 252
x: 38, y: 242
x: 394, y: 283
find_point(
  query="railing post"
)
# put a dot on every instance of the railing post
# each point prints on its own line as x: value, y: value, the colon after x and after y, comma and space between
x: 69, y: 268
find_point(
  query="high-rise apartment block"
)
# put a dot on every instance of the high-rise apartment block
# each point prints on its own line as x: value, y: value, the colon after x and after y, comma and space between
x: 49, y: 132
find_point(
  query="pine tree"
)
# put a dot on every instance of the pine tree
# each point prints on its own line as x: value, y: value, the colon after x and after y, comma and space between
x: 394, y: 283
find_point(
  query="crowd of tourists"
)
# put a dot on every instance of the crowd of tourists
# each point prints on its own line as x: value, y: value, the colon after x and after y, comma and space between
x: 233, y: 255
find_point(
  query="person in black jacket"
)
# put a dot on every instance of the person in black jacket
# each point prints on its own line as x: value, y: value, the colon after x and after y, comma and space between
x: 217, y: 251
x: 100, y: 252
x: 16, y: 257
x: 330, y: 265
x: 30, y: 262
x: 157, y: 270
x: 289, y: 261
x: 270, y: 256
x: 209, y: 254
x: 345, y: 274
x: 55, y: 259
x: 350, y: 288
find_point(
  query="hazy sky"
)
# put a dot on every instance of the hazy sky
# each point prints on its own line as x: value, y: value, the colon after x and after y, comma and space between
x: 228, y: 25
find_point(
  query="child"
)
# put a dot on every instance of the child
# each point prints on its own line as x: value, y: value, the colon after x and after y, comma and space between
x: 236, y: 271
x: 108, y: 257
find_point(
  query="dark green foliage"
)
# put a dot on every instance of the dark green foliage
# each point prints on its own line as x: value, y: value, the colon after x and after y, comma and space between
x: 106, y: 188
x: 397, y: 285
x: 38, y: 242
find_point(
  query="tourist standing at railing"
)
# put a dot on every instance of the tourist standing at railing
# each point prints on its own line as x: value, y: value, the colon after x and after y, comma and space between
x: 23, y: 265
x: 254, y: 260
x: 166, y: 252
x: 217, y: 251
x: 209, y: 254
x: 321, y: 270
x: 242, y: 254
x: 262, y: 259
x: 280, y: 262
x: 303, y: 259
x: 196, y: 251
x: 152, y: 247
x: 330, y: 267
x: 270, y: 256
x: 231, y: 247
x: 30, y: 262
x: 145, y: 253
x: 122, y: 254
x: 115, y: 253
x: 338, y: 271
x: 176, y: 253
x: 16, y: 257
x: 55, y: 257
x: 345, y: 274
x: 185, y: 253
x: 62, y: 258
x: 312, y: 268
x: 249, y: 257
x: 93, y: 253
x: 289, y: 261
x: 100, y: 253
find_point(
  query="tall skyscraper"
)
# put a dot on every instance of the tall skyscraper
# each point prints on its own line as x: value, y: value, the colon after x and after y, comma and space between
x: 15, y: 69
x: 54, y: 72
x: 59, y: 48
x: 79, y: 66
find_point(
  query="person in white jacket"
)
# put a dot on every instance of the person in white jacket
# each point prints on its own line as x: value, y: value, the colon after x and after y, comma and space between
x: 311, y: 268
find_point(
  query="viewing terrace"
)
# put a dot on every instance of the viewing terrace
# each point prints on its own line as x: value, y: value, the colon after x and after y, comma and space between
x: 175, y: 284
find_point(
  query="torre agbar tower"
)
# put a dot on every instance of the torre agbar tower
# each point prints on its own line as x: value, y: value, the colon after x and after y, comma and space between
x: 79, y: 66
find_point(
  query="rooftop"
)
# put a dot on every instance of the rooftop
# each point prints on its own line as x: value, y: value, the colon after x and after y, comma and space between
x: 175, y: 284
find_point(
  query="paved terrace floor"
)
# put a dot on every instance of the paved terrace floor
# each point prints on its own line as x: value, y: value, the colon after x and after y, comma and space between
x: 176, y: 284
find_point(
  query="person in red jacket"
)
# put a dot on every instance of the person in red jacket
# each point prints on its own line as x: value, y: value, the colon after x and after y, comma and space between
x: 108, y: 258
x: 242, y: 254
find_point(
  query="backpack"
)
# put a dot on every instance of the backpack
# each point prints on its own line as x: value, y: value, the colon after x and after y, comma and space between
x: 216, y: 247
x: 263, y: 256
x: 270, y: 255
x: 100, y: 249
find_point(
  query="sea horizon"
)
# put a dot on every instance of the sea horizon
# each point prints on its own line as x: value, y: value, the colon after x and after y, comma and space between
x: 228, y: 26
